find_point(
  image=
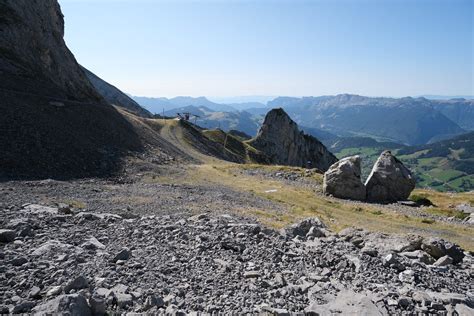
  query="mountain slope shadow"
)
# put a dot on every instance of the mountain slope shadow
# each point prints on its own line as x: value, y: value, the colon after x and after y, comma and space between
x: 53, y: 123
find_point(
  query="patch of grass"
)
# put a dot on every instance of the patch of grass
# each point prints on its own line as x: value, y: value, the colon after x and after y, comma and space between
x: 427, y: 221
x: 75, y: 204
x: 421, y: 199
x: 461, y: 215
x: 300, y: 202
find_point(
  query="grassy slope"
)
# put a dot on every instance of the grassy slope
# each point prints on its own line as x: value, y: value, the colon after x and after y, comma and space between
x: 338, y: 214
x: 303, y: 201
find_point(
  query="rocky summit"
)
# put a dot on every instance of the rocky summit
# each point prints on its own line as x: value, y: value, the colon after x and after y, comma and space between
x: 65, y: 260
x: 281, y: 140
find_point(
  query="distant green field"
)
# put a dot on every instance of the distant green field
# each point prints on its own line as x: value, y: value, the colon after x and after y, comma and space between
x: 434, y: 172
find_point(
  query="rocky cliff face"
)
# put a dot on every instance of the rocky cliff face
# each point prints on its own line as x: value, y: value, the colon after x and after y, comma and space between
x: 114, y: 96
x: 53, y: 123
x: 281, y: 140
x: 33, y: 55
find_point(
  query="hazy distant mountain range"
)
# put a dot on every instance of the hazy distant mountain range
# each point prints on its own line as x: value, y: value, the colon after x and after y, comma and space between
x: 410, y: 121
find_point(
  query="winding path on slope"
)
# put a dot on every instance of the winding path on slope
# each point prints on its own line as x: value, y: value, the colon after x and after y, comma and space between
x: 172, y: 131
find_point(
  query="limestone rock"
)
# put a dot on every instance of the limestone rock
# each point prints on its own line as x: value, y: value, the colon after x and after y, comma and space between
x: 306, y: 227
x: 73, y: 304
x: 390, y: 180
x: 438, y: 248
x: 342, y: 180
x: 280, y: 139
x: 347, y: 302
x: 7, y: 235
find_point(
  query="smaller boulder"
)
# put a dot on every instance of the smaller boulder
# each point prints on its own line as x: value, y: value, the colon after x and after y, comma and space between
x: 342, y: 180
x: 7, y: 235
x: 78, y: 283
x: 443, y: 261
x: 124, y: 254
x: 73, y: 304
x: 389, y: 181
x: 438, y: 248
x: 306, y: 227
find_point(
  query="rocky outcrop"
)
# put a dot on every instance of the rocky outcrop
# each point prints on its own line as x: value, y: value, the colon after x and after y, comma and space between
x: 390, y: 180
x: 342, y: 180
x: 53, y: 123
x: 280, y: 139
x: 114, y: 96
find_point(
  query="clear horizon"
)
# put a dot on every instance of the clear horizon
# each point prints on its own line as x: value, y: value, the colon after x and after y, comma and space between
x: 274, y: 48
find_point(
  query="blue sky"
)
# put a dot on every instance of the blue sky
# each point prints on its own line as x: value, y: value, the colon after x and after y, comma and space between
x: 296, y: 48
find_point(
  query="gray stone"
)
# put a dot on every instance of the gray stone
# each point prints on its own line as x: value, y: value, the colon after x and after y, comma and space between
x: 443, y: 261
x: 72, y: 304
x: 19, y: 261
x: 23, y: 307
x: 78, y: 283
x: 97, y: 304
x: 123, y: 299
x: 124, y: 254
x: 40, y: 209
x: 92, y: 244
x: 438, y: 248
x: 53, y: 291
x: 346, y: 302
x: 7, y: 235
x: 407, y: 276
x: 464, y: 310
x: 303, y: 227
x: 419, y: 255
x: 34, y: 292
x: 342, y: 180
x: 389, y: 181
x: 251, y: 274
x: 154, y: 300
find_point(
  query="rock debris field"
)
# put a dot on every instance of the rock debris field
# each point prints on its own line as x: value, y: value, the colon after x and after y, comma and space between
x: 61, y: 260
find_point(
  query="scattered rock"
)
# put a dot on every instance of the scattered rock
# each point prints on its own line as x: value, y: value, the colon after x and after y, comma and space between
x: 35, y: 292
x: 443, y: 261
x: 124, y: 254
x: 97, y: 305
x: 92, y: 244
x: 154, y: 300
x: 438, y: 248
x: 251, y: 274
x: 19, y: 261
x: 304, y: 227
